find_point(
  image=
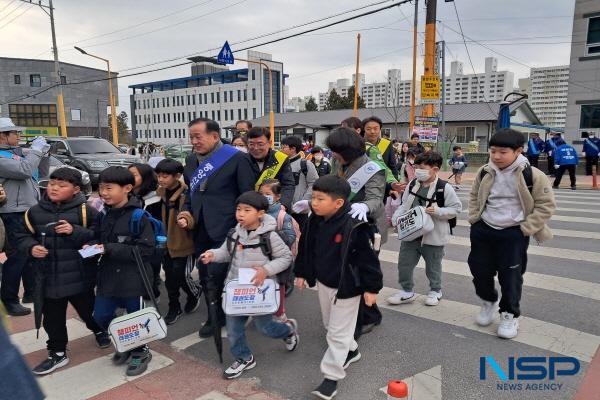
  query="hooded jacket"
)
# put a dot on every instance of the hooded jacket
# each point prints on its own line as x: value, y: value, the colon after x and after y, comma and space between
x: 65, y: 272
x: 252, y: 257
x: 565, y: 155
x: 16, y: 175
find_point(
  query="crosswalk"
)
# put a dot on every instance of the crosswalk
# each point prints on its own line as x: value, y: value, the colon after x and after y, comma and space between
x: 91, y: 374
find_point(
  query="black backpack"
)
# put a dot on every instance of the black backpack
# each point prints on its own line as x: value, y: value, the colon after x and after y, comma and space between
x: 438, y: 197
x: 527, y: 175
x: 303, y: 170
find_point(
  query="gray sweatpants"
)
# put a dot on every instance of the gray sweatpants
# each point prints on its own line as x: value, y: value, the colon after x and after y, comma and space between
x: 339, y: 319
x: 408, y: 258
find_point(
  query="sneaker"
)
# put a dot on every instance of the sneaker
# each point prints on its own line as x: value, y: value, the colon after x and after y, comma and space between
x: 191, y: 305
x: 353, y: 356
x: 433, y: 298
x: 487, y: 313
x: 326, y: 390
x: 27, y: 298
x: 54, y: 361
x: 173, y: 314
x: 121, y: 358
x: 16, y: 309
x: 103, y: 339
x: 573, y: 187
x: 291, y: 342
x: 139, y: 361
x: 238, y: 367
x: 509, y: 326
x: 401, y: 297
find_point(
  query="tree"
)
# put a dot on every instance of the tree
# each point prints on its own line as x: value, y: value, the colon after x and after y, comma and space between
x: 349, y: 100
x: 122, y: 126
x: 334, y: 101
x: 311, y: 104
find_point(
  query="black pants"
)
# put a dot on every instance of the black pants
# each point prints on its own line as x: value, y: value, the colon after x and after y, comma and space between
x: 212, y: 275
x: 551, y: 165
x: 560, y: 172
x: 533, y: 160
x: 175, y: 279
x: 17, y: 265
x: 502, y: 252
x: 589, y: 162
x: 54, y: 314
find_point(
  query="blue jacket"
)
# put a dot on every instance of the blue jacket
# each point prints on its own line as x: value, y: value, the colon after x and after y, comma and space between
x: 550, y: 146
x: 588, y: 147
x: 535, y: 147
x: 565, y: 155
x: 287, y: 232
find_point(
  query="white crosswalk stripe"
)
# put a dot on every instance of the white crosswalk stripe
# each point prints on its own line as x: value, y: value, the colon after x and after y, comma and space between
x: 27, y: 342
x: 564, y: 218
x: 556, y: 232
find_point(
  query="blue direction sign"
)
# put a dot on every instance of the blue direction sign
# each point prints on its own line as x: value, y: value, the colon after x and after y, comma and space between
x: 225, y: 55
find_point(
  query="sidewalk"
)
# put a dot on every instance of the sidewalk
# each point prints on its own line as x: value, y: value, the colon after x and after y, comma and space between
x: 583, y: 182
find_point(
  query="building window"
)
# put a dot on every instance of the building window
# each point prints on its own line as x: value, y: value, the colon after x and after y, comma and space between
x: 226, y: 119
x: 590, y: 116
x: 213, y: 115
x: 75, y: 114
x: 218, y: 97
x: 245, y: 113
x: 239, y: 95
x: 239, y: 113
x: 218, y: 115
x: 200, y: 99
x: 212, y: 98
x: 253, y: 75
x: 253, y: 93
x: 37, y: 115
x: 17, y: 79
x: 254, y: 113
x: 593, y: 36
x: 225, y: 96
x: 35, y: 80
x: 245, y: 94
x: 231, y: 95
x: 205, y: 98
x: 465, y: 134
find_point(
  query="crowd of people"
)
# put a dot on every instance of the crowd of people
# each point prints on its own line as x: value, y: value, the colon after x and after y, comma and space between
x: 278, y: 213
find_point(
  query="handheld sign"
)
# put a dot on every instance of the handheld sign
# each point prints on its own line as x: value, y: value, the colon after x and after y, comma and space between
x: 225, y: 55
x: 413, y: 224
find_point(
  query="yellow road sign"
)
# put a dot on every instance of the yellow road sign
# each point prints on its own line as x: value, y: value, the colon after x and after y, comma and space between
x: 430, y: 89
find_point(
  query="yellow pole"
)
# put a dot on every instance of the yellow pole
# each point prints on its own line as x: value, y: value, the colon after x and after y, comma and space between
x: 430, y: 48
x: 414, y: 71
x: 355, y: 111
x: 61, y: 114
x: 113, y: 113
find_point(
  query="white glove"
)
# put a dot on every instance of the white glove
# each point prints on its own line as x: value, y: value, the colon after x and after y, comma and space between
x: 556, y: 166
x: 359, y: 211
x: 301, y: 207
x: 40, y: 144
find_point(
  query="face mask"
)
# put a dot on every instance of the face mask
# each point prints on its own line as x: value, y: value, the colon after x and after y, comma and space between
x: 270, y: 199
x: 592, y: 136
x: 422, y: 175
x: 242, y: 149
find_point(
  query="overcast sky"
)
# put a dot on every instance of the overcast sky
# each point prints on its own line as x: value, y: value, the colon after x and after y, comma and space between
x: 530, y: 33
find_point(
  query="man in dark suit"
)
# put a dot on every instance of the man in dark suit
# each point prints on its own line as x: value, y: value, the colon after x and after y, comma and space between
x: 271, y: 164
x: 212, y: 196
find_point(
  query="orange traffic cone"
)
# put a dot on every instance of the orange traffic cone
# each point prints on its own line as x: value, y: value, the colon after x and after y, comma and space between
x: 397, y: 390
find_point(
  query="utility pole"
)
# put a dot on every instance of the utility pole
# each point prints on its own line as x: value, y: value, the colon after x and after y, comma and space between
x: 442, y: 54
x: 355, y: 111
x: 430, y: 20
x: 414, y: 69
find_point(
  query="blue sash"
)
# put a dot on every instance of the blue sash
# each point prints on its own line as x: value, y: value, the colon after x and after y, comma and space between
x: 592, y: 145
x: 11, y: 155
x: 211, y: 165
x: 552, y: 144
x: 533, y: 148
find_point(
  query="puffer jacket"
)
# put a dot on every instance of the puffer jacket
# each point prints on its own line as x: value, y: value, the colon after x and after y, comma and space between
x: 65, y: 272
x: 372, y: 192
x: 251, y: 257
x: 16, y: 175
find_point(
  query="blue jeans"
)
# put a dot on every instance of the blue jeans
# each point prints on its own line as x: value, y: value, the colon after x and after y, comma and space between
x: 236, y: 333
x: 14, y: 267
x: 105, y: 307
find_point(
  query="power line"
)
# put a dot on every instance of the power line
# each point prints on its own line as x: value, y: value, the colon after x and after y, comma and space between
x: 6, y: 6
x: 11, y: 11
x: 17, y: 16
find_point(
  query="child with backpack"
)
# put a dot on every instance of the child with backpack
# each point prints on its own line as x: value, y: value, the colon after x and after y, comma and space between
x: 443, y: 206
x: 243, y: 249
x: 180, y: 243
x: 288, y: 229
x: 337, y: 255
x: 510, y: 201
x: 117, y: 233
x: 53, y: 232
x: 459, y: 164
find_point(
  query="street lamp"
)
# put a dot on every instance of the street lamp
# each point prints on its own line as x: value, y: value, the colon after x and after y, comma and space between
x: 111, y: 98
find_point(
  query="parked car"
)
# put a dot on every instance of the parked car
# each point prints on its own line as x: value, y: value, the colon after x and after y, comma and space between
x: 55, y: 163
x: 89, y: 154
x: 178, y: 151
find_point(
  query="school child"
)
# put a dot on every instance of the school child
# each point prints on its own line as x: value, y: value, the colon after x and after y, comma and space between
x: 180, y: 243
x: 336, y: 254
x: 459, y: 164
x: 442, y: 204
x: 244, y: 245
x: 119, y: 282
x: 510, y: 201
x: 66, y: 277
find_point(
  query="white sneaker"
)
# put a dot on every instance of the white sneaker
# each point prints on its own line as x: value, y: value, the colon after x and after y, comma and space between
x: 433, y: 298
x: 487, y: 313
x: 401, y: 297
x: 509, y: 326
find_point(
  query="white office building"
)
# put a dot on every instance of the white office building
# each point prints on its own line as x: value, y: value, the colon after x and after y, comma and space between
x: 161, y: 110
x: 492, y: 85
x: 548, y: 94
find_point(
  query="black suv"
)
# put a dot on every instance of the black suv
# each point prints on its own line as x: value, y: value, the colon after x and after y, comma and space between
x: 89, y: 154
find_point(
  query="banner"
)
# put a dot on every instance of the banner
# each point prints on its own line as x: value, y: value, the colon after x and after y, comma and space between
x: 426, y: 128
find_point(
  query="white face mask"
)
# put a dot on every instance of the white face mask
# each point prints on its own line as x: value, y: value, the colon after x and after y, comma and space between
x: 242, y: 149
x: 270, y: 199
x: 592, y: 135
x: 422, y: 175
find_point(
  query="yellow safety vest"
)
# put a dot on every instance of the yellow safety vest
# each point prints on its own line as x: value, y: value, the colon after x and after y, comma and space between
x: 383, y: 145
x: 273, y: 170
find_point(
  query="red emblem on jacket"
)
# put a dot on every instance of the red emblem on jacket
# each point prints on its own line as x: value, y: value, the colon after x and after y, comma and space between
x: 338, y: 238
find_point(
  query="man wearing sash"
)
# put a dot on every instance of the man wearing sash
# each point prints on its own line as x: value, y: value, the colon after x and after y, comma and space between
x: 549, y: 148
x: 591, y: 149
x: 217, y: 174
x: 535, y: 145
x: 270, y: 164
x: 372, y: 131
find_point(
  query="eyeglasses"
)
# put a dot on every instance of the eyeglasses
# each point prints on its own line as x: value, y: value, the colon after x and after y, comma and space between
x: 258, y: 145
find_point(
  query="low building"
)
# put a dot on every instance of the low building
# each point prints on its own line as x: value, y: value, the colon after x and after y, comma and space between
x: 464, y: 122
x: 27, y: 96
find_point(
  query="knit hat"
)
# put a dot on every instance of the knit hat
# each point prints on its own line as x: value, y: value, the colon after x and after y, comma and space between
x: 507, y: 138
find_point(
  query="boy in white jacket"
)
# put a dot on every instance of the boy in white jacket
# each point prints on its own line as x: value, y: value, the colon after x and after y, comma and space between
x: 425, y: 191
x: 253, y: 222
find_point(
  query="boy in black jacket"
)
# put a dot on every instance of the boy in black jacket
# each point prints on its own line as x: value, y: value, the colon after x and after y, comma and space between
x: 119, y: 281
x: 63, y: 277
x: 335, y: 250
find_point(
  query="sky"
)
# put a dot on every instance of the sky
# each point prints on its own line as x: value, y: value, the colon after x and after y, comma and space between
x: 134, y: 33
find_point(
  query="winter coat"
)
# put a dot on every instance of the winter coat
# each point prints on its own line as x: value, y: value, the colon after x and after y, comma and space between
x: 441, y: 228
x: 252, y: 257
x: 284, y: 176
x: 337, y: 252
x: 372, y: 192
x: 461, y: 159
x: 550, y: 146
x: 565, y: 155
x: 303, y: 190
x: 16, y: 175
x: 118, y: 274
x: 324, y: 167
x: 65, y: 272
x: 535, y: 147
x: 538, y: 206
x: 588, y: 149
x: 180, y: 242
